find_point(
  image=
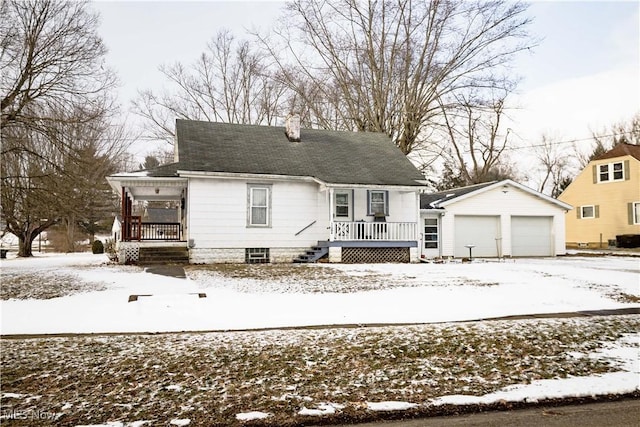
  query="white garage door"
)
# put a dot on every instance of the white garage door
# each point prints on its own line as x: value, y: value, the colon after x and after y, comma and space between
x: 531, y: 236
x: 480, y: 231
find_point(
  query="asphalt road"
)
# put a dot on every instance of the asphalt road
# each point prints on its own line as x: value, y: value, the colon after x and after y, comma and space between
x: 623, y: 413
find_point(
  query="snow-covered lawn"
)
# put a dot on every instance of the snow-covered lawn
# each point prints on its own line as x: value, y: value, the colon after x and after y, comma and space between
x: 289, y: 377
x: 277, y: 377
x: 82, y: 293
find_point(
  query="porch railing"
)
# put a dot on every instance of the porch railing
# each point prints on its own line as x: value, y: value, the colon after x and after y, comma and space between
x: 372, y: 231
x: 135, y: 230
x: 160, y: 230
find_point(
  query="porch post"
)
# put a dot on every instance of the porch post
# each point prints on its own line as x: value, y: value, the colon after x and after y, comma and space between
x: 331, y: 211
x: 125, y: 220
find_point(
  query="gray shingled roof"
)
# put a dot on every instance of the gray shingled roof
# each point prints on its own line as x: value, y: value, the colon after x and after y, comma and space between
x: 432, y: 200
x: 331, y: 156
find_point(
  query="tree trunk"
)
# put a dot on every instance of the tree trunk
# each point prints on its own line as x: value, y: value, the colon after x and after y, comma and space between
x: 70, y: 226
x: 25, y: 240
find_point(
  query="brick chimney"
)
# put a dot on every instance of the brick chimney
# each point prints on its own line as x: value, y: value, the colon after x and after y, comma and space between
x: 292, y: 127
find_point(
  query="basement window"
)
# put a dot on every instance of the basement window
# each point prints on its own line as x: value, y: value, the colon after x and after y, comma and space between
x: 256, y: 255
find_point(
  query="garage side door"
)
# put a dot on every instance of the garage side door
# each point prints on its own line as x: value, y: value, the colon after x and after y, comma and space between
x: 531, y: 236
x: 480, y: 231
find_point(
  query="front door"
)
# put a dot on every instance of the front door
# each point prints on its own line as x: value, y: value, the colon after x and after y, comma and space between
x: 343, y: 206
x: 431, y: 237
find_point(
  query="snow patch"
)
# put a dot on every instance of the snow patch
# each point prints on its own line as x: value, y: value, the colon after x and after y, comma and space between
x: 12, y: 395
x: 180, y: 422
x: 321, y: 409
x: 390, y: 405
x: 254, y: 415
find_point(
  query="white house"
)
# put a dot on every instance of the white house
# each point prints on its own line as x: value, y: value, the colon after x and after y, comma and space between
x: 495, y: 219
x: 272, y: 194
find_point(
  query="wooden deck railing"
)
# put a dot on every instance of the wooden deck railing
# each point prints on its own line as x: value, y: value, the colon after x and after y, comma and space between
x: 160, y: 231
x: 133, y: 229
x: 373, y: 231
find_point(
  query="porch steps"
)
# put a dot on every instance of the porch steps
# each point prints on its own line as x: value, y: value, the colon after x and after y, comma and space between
x: 162, y: 255
x: 314, y: 254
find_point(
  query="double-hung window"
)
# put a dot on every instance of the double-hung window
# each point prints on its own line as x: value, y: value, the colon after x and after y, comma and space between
x: 259, y: 206
x: 378, y: 202
x: 342, y: 207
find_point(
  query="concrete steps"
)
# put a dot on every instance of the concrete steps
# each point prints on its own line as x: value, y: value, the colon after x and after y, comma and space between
x: 162, y: 255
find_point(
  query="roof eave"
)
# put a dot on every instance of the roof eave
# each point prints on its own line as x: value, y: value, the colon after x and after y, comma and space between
x: 497, y: 184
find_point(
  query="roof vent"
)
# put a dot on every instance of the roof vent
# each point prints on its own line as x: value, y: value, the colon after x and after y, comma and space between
x: 292, y: 127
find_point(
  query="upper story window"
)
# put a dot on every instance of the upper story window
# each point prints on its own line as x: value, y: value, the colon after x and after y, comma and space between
x: 259, y: 205
x: 611, y: 172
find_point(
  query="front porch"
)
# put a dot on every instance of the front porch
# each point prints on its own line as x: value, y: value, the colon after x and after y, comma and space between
x: 366, y: 242
x: 362, y: 231
x: 152, y: 224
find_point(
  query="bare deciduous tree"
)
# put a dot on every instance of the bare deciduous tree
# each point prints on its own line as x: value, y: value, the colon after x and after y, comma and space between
x: 66, y: 188
x: 52, y: 79
x: 622, y: 132
x: 382, y: 66
x: 556, y: 166
x: 228, y: 83
x: 52, y: 59
x: 473, y: 140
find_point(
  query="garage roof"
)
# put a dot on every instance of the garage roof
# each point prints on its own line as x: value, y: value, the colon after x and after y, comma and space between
x: 441, y: 199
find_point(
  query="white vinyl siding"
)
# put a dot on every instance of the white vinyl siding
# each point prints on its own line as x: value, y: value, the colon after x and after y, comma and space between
x: 502, y: 205
x: 221, y: 221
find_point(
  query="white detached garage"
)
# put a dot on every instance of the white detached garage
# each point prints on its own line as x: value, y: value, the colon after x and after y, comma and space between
x: 495, y: 219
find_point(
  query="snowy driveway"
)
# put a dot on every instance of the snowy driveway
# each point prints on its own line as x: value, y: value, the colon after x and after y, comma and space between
x: 377, y: 294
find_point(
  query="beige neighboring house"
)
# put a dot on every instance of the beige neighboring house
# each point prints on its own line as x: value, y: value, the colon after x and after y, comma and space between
x: 606, y: 199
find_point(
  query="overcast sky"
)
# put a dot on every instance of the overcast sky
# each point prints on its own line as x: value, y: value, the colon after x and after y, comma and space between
x: 584, y: 75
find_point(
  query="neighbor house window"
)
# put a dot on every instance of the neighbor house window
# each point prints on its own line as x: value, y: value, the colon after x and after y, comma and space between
x: 611, y: 172
x: 588, y: 211
x: 431, y: 233
x: 342, y: 200
x: 378, y: 202
x: 259, y: 205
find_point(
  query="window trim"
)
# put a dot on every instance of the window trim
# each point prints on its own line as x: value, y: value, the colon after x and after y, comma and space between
x: 593, y: 210
x: 385, y: 194
x: 610, y: 172
x: 250, y: 189
x: 349, y: 205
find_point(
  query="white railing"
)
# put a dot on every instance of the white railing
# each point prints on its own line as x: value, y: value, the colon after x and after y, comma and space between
x: 384, y: 231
